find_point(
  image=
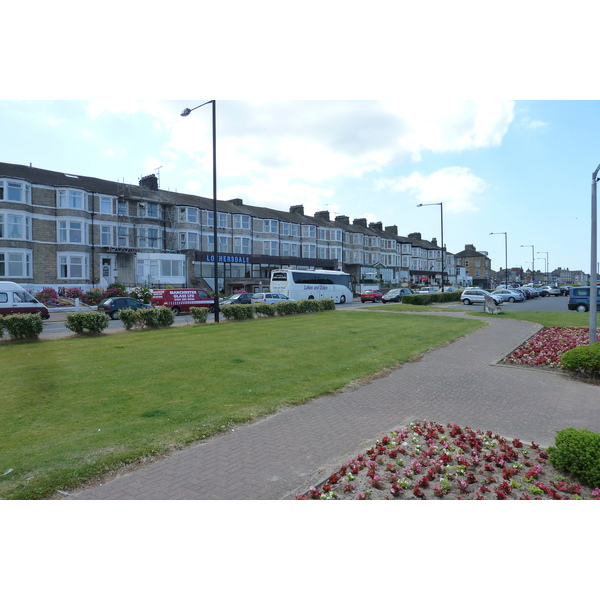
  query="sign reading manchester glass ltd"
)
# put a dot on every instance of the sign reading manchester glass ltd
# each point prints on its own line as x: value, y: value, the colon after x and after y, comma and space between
x: 226, y: 258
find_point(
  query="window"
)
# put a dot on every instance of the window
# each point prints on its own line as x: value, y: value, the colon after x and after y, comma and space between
x: 358, y: 239
x: 171, y: 268
x: 309, y: 250
x: 271, y: 248
x: 106, y: 205
x: 289, y: 249
x: 122, y: 208
x: 152, y: 210
x: 242, y: 222
x: 73, y: 266
x: 72, y: 232
x: 14, y: 227
x: 189, y: 214
x: 106, y: 235
x: 270, y: 226
x: 152, y: 237
x: 122, y: 237
x: 72, y: 199
x: 309, y: 231
x: 15, y: 191
x: 189, y: 239
x: 477, y: 263
x: 241, y: 245
x: 15, y: 263
x: 222, y: 220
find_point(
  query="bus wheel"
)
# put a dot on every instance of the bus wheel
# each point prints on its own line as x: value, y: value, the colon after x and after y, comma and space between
x: 342, y: 299
x: 311, y: 297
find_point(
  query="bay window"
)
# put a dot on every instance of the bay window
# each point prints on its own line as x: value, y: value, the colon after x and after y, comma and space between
x: 73, y: 265
x: 15, y: 263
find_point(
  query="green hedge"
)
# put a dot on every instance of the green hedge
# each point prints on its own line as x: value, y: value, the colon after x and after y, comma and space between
x: 267, y: 310
x: 435, y: 298
x: 151, y: 318
x: 237, y: 312
x: 87, y: 322
x: 577, y: 452
x: 583, y: 359
x: 22, y: 327
x: 199, y: 313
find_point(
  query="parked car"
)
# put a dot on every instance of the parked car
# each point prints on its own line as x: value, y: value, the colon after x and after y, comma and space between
x: 510, y: 295
x: 112, y: 306
x: 245, y: 298
x: 579, y: 298
x: 476, y: 295
x: 395, y: 295
x: 15, y: 299
x: 535, y: 292
x: 550, y: 290
x: 182, y: 299
x: 427, y: 290
x: 268, y: 298
x: 371, y: 296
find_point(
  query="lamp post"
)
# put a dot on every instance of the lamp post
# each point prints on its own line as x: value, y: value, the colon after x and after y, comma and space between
x: 185, y: 113
x: 505, y: 254
x: 594, y: 263
x: 546, y: 259
x: 532, y: 260
x: 440, y: 204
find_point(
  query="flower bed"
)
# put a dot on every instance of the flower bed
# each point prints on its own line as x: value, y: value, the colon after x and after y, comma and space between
x: 428, y: 461
x: 548, y: 345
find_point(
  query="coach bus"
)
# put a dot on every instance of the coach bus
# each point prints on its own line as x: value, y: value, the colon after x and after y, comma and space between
x: 312, y: 285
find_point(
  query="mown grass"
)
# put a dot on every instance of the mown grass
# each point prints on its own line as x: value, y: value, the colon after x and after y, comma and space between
x: 75, y: 408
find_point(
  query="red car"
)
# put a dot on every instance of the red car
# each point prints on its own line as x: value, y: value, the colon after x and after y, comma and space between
x: 370, y: 296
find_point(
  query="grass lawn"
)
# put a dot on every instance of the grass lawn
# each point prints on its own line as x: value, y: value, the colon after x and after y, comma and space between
x: 74, y: 408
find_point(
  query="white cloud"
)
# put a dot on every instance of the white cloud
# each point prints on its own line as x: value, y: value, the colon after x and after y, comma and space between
x: 457, y: 187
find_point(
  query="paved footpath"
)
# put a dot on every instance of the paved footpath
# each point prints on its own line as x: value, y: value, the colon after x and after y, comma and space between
x: 282, y: 455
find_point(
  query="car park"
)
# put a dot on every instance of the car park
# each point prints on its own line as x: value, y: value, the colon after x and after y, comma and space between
x: 477, y: 295
x: 268, y: 298
x: 244, y: 298
x: 550, y: 290
x: 395, y: 295
x: 510, y: 295
x: 112, y: 306
x: 371, y: 296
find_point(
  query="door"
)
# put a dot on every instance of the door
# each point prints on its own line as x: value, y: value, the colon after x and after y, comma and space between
x: 108, y: 270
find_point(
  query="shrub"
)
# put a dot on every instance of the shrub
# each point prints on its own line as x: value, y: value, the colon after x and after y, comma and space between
x: 327, y: 304
x: 162, y: 316
x: 577, y: 452
x: 93, y: 296
x: 142, y: 293
x: 434, y: 298
x: 23, y: 327
x: 48, y: 295
x: 416, y: 299
x: 291, y: 308
x: 73, y: 293
x: 87, y: 322
x: 114, y: 290
x: 129, y: 318
x: 267, y: 310
x: 238, y: 312
x: 307, y: 306
x: 199, y: 313
x: 583, y: 359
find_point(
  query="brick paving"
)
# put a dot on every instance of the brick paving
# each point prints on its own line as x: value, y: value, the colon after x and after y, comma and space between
x: 285, y: 453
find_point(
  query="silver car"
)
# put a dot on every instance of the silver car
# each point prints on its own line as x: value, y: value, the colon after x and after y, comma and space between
x: 477, y: 295
x: 510, y: 295
x: 268, y: 298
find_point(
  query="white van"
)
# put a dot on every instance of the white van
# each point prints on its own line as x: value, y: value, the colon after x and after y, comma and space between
x: 15, y: 299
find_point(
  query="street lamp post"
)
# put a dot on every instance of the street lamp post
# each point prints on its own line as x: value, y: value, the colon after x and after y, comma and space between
x: 594, y: 263
x: 440, y: 204
x: 532, y: 260
x: 505, y: 254
x: 546, y: 270
x: 185, y: 113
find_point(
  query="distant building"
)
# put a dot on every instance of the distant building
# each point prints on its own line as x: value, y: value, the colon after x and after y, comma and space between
x: 476, y: 264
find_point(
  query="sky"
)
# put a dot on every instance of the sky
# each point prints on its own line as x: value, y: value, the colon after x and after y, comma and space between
x: 497, y: 166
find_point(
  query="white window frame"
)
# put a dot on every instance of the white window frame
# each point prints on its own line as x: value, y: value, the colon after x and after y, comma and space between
x: 8, y: 187
x: 241, y: 245
x: 65, y: 231
x: 106, y: 235
x: 7, y: 231
x: 72, y: 199
x: 270, y: 226
x: 241, y: 221
x: 106, y: 205
x: 10, y: 258
x: 67, y: 263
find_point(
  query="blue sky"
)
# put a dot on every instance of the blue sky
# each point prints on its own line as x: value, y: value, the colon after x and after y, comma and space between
x: 520, y: 167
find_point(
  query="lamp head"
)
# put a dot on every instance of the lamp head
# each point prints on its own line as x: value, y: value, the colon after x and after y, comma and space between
x: 185, y: 112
